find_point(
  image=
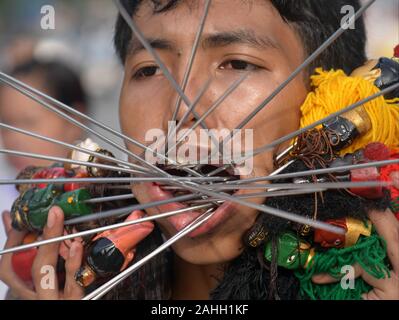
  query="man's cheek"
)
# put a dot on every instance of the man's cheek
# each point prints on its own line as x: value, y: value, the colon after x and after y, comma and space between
x: 140, y: 194
x: 131, y: 125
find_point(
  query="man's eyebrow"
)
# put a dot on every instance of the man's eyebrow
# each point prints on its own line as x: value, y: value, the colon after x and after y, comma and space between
x: 240, y: 36
x: 136, y: 46
x: 219, y: 39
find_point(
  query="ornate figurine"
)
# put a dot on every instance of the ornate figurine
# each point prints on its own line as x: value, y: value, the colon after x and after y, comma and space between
x: 111, y: 251
x: 354, y: 229
x: 383, y: 72
x: 347, y: 127
x: 81, y: 156
x: 342, y: 141
x: 374, y: 151
x: 29, y: 211
x: 319, y: 146
x: 49, y: 173
x: 32, y: 172
x: 292, y: 253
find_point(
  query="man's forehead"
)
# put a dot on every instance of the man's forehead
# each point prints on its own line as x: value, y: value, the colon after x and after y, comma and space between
x: 222, y: 15
x: 225, y: 24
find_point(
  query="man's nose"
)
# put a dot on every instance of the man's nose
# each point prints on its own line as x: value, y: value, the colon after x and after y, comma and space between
x: 198, y: 93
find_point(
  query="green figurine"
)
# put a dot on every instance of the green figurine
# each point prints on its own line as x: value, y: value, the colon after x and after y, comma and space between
x: 293, y: 253
x: 29, y: 211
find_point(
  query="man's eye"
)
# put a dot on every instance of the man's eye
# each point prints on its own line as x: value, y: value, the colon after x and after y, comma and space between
x: 146, y: 72
x: 239, y: 65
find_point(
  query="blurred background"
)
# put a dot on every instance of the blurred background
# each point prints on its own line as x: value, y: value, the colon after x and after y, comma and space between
x: 82, y: 41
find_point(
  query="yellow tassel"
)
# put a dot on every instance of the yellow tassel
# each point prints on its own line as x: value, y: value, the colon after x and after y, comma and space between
x: 334, y: 90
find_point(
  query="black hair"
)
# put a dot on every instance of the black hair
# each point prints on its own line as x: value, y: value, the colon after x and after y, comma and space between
x: 63, y: 83
x: 314, y: 21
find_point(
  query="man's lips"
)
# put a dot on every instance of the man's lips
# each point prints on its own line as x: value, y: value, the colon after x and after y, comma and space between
x: 180, y: 221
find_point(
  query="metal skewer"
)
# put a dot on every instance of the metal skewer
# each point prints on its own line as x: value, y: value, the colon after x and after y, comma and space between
x: 65, y: 160
x: 101, y: 229
x: 319, y: 122
x: 269, y: 194
x: 99, y: 292
x: 129, y: 209
x: 266, y: 209
x: 297, y: 71
x: 281, y: 186
x: 212, y: 108
x: 106, y: 180
x: 31, y: 93
x: 317, y: 171
x: 192, y: 57
x: 111, y: 198
x: 128, y: 19
x: 73, y: 147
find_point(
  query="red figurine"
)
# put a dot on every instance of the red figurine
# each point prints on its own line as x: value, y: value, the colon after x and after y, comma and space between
x: 111, y: 251
x: 22, y: 261
x: 74, y: 185
x: 354, y: 229
x: 49, y: 173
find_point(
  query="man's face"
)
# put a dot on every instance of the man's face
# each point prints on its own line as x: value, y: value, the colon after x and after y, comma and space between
x: 239, y: 36
x: 22, y: 112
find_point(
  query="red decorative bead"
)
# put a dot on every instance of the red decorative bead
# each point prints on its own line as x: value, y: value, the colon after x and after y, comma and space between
x: 49, y: 173
x: 376, y: 151
x: 367, y: 174
x: 396, y: 51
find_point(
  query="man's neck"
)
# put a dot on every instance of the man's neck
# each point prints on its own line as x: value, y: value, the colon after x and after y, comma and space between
x: 194, y: 282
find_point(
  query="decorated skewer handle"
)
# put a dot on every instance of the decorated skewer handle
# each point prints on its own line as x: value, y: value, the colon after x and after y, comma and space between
x: 111, y: 251
x: 30, y: 211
